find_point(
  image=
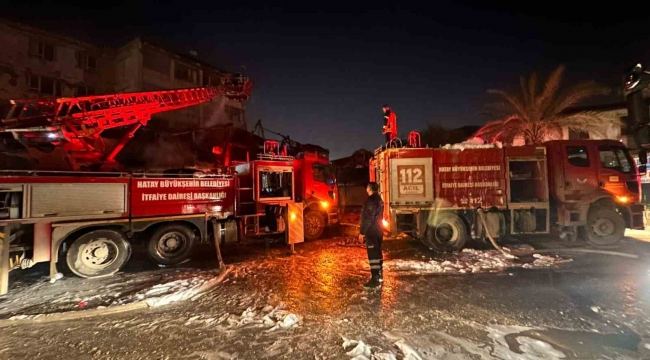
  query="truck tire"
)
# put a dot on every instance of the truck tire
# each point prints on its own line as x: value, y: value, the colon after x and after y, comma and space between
x: 98, y: 253
x: 605, y: 227
x: 171, y: 244
x: 314, y: 223
x: 447, y: 233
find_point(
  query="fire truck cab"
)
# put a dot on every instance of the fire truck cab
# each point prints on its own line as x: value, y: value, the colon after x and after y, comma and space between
x: 317, y: 190
x: 447, y: 196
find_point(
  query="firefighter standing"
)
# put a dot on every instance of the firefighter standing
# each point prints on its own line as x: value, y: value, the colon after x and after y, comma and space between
x: 372, y: 234
x: 390, y: 126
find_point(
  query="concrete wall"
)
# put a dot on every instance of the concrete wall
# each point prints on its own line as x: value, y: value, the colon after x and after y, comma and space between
x: 128, y: 67
x: 352, y: 196
x: 144, y: 67
x: 19, y: 66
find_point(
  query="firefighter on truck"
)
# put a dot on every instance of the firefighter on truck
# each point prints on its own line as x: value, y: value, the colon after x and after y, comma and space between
x: 390, y: 124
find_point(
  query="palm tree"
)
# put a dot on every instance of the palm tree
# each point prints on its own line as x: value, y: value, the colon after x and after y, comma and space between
x: 538, y: 116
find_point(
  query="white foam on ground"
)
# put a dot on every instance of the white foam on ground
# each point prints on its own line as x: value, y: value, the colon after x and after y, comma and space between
x: 272, y: 318
x: 73, y: 293
x: 358, y: 350
x: 437, y: 345
x: 471, y: 261
x: 532, y: 349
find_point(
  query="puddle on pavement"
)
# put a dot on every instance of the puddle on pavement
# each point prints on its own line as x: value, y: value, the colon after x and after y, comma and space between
x: 575, y: 344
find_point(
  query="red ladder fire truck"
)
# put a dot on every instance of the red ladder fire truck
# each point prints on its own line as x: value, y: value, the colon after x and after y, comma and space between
x: 448, y: 196
x: 93, y: 217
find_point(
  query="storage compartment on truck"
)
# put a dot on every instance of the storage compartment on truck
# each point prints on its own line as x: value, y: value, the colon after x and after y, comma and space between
x: 527, y: 180
x: 80, y: 199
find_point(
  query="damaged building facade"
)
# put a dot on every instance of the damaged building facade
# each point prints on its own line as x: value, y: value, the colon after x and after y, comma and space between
x: 36, y: 63
x: 143, y: 66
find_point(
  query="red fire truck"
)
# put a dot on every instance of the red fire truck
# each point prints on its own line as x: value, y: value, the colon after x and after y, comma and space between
x: 315, y: 183
x: 586, y: 187
x: 93, y: 217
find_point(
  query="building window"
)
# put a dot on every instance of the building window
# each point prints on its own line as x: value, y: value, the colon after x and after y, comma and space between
x: 86, y: 62
x: 85, y: 90
x: 211, y: 79
x: 42, y: 50
x: 44, y: 85
x: 577, y: 156
x: 186, y: 73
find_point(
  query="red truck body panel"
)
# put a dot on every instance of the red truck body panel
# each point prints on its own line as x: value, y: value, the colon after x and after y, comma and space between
x: 441, y: 178
x: 137, y: 197
x: 470, y: 178
x: 165, y: 196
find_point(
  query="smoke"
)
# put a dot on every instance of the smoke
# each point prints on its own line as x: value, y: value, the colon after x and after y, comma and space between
x: 215, y: 113
x: 168, y: 153
x: 184, y: 149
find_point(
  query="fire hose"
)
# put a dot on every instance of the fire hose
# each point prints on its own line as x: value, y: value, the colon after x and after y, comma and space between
x: 481, y: 216
x: 547, y: 251
x: 217, y: 239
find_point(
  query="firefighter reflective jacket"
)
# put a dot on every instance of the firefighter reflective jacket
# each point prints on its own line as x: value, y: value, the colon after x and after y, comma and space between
x: 391, y: 122
x: 371, y: 216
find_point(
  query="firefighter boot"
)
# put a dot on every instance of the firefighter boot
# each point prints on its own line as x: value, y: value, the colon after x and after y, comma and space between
x: 374, y: 280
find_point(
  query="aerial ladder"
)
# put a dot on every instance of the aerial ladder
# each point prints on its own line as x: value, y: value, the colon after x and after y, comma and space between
x: 75, y: 125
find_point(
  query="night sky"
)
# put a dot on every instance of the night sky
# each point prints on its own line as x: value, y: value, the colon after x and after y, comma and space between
x: 323, y: 71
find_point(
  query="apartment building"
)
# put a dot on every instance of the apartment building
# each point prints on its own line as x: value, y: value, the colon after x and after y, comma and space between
x: 37, y: 63
x: 143, y: 66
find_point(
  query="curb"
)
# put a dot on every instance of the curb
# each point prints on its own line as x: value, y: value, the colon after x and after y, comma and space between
x: 143, y: 304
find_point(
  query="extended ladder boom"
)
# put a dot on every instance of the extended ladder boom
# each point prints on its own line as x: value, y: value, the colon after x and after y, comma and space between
x: 76, y: 124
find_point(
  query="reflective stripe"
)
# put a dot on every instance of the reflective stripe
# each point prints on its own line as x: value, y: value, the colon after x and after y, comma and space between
x: 376, y: 261
x: 375, y: 267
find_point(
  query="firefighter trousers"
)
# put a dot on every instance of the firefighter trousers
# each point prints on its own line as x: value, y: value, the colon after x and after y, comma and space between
x: 375, y: 256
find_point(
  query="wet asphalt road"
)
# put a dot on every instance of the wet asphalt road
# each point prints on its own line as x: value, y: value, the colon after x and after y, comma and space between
x: 595, y: 307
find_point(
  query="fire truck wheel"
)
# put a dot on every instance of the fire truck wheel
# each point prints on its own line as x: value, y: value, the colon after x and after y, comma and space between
x: 98, y: 253
x: 314, y: 224
x: 448, y: 233
x: 171, y: 244
x: 605, y: 227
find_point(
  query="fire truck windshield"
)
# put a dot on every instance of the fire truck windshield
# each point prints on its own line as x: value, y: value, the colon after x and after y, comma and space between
x: 323, y: 173
x: 616, y: 158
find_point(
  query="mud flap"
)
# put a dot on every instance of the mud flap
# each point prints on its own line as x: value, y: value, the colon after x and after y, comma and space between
x: 638, y: 218
x: 295, y: 233
x: 4, y: 260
